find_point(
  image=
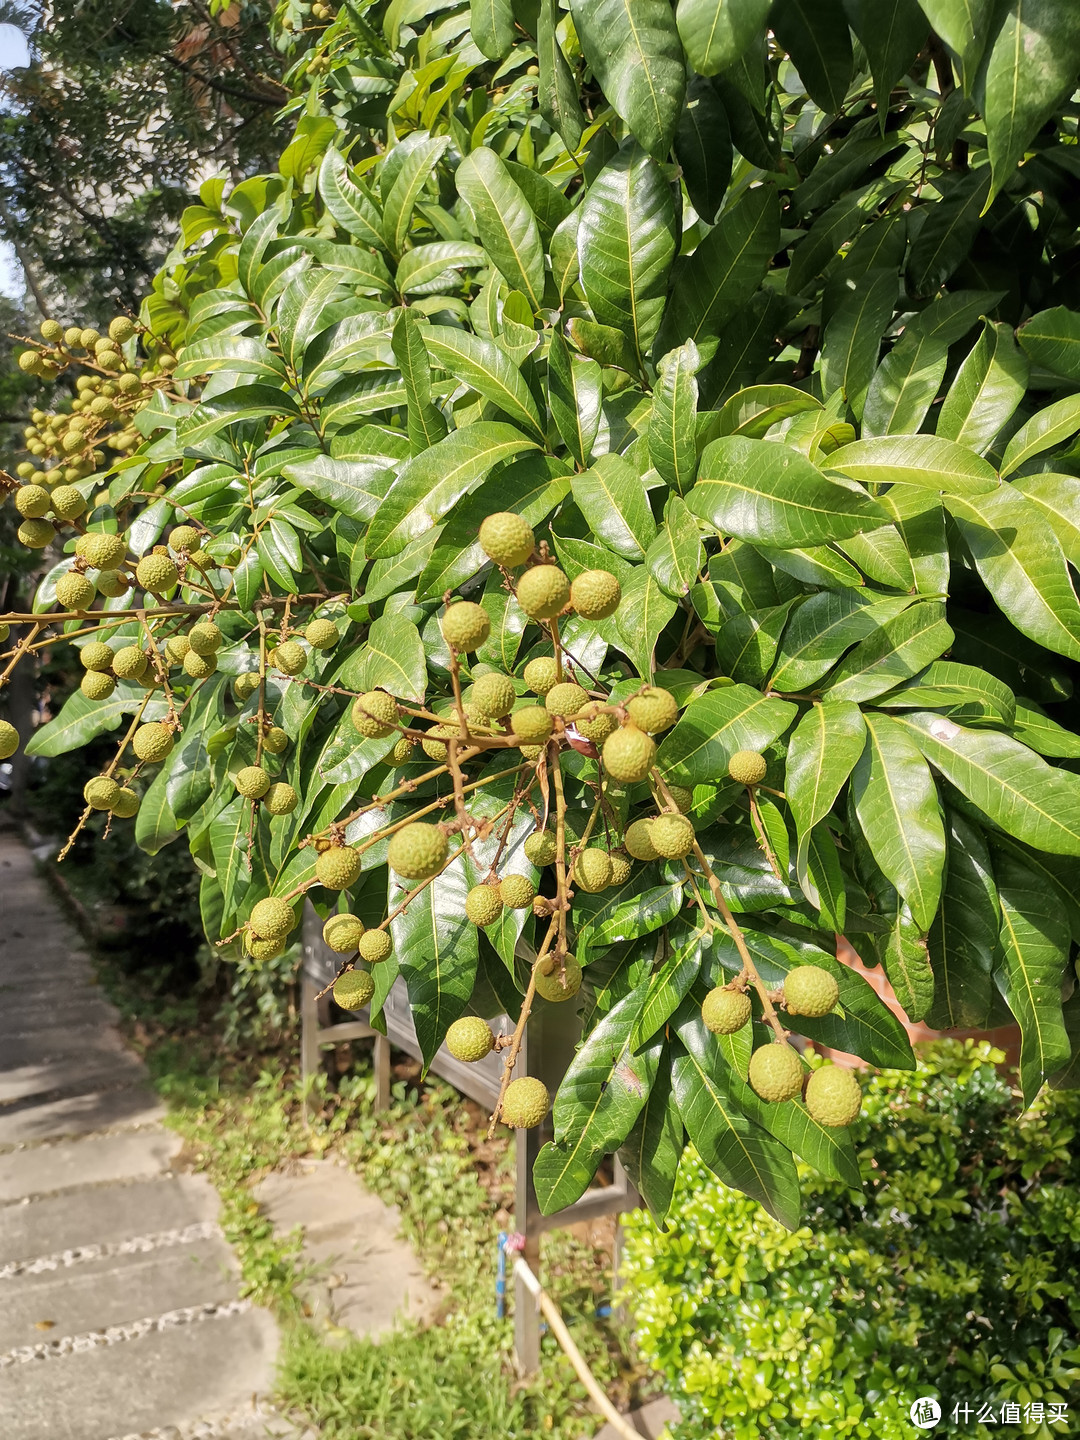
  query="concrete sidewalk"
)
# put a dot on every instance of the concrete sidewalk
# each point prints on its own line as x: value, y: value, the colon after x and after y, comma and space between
x: 120, y: 1316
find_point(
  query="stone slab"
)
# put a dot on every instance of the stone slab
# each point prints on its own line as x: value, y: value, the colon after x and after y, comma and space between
x: 82, y: 1115
x: 97, y: 1160
x: 649, y: 1421
x: 67, y: 1074
x: 171, y: 1377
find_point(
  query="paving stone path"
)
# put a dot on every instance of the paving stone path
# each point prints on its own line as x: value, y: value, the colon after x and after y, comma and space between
x: 120, y: 1315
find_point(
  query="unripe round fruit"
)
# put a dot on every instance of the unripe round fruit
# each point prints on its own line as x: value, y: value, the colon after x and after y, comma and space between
x: 199, y: 560
x: 550, y: 985
x: 725, y: 1011
x: 531, y: 752
x: 516, y: 892
x: 493, y: 696
x: 592, y: 871
x: 52, y: 331
x: 532, y: 725
x: 595, y: 594
x: 375, y: 714
x: 507, y: 539
x: 747, y: 767
x: 483, y: 905
x: 67, y: 502
x: 811, y: 991
x: 73, y: 336
x: 374, y: 946
x: 280, y: 799
x: 629, y: 754
x: 672, y: 836
x: 402, y: 752
x: 342, y: 933
x: 121, y: 330
x: 32, y: 501
x: 621, y: 869
x: 184, y: 537
x: 541, y: 674
x: 97, y: 685
x: 9, y: 740
x: 638, y: 840
x: 102, y: 551
x: 272, y: 919
x: 322, y: 634
x: 244, y: 686
x: 683, y: 797
x: 29, y: 362
x: 35, y: 534
x: 74, y: 591
x: 433, y: 746
x: 566, y: 698
x: 275, y: 741
x: 465, y: 626
x: 541, y: 847
x: 129, y: 384
x: 252, y: 781
x: 166, y: 362
x: 24, y: 470
x: 597, y: 725
x: 417, y: 851
x: 109, y: 359
x: 833, y: 1096
x: 776, y: 1072
x: 289, y: 658
x: 353, y: 990
x: 101, y: 793
x: 73, y: 441
x: 470, y: 1039
x: 177, y: 649
x: 129, y: 663
x: 5, y: 630
x: 96, y: 656
x: 112, y: 583
x: 199, y: 667
x: 205, y: 638
x: 654, y: 710
x: 127, y: 803
x: 263, y: 949
x: 88, y: 338
x: 338, y: 867
x: 152, y: 742
x: 156, y: 573
x: 543, y: 592
x: 525, y: 1103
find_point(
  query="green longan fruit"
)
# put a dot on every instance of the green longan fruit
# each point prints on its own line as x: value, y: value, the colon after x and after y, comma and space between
x: 653, y: 710
x: 747, y: 767
x: 353, y: 990
x: 32, y: 501
x: 100, y: 549
x: 30, y: 362
x: 683, y: 796
x: 199, y: 667
x: 621, y: 869
x: 101, y: 793
x: 127, y: 803
x: 483, y: 905
x: 88, y: 338
x: 74, y: 591
x: 595, y: 594
x: 121, y: 330
x: 35, y: 534
x: 322, y: 634
x: 9, y: 740
x: 111, y: 583
x: 811, y: 991
x: 52, y: 331
x: 374, y: 946
x: 156, y: 573
x: 244, y: 686
x: 725, y: 1011
x: 290, y: 658
x: 638, y: 840
x: 417, y: 851
x: 541, y: 674
x: 129, y: 663
x: 275, y: 741
x: 5, y: 631
x: 465, y: 626
x: 629, y: 754
x: 672, y: 836
x: 177, y: 648
x: 342, y: 933
x: 96, y: 655
x: 597, y: 723
x: 592, y: 871
x: 280, y: 799
x: 470, y: 1039
x: 252, y: 781
x: 532, y: 725
x: 493, y: 696
x: 833, y: 1096
x: 543, y: 592
x: 375, y: 714
x: 776, y: 1072
x: 73, y: 337
x: 525, y: 1103
x: 262, y: 949
x: 152, y: 742
x: 566, y: 698
x: 507, y: 539
x: 110, y: 359
x: 272, y: 919
x: 550, y: 985
x: 338, y: 868
x: 541, y: 848
x: 67, y: 502
x: 433, y: 746
x: 97, y: 685
x: 24, y: 470
x: 516, y: 892
x: 205, y: 638
x: 129, y: 384
x: 183, y: 537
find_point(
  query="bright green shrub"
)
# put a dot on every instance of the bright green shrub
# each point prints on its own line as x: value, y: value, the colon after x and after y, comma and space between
x: 956, y: 1275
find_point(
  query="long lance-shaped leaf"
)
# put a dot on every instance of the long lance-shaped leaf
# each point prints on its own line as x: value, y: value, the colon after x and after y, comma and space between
x: 436, y: 947
x: 654, y: 1146
x: 822, y: 753
x: 927, y: 461
x: 575, y: 394
x: 1052, y: 338
x: 816, y: 37
x: 427, y: 424
x: 986, y: 391
x: 900, y: 648
x: 557, y: 89
x: 350, y: 206
x: 964, y: 938
x: 1047, y: 428
x: 492, y: 25
x: 717, y: 33
x: 487, y: 369
x: 634, y: 50
x: 714, y: 726
x: 673, y: 424
x: 507, y: 227
x: 853, y: 334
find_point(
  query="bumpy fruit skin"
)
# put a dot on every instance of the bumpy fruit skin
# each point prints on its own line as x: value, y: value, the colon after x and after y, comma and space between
x: 127, y: 803
x: 483, y: 906
x: 32, y: 501
x: 275, y: 741
x: 621, y: 869
x: 156, y: 573
x: 566, y: 698
x: 289, y: 658
x: 525, y: 1103
x: 541, y: 847
x: 74, y: 591
x: 97, y: 685
x: 52, y: 331
x: 543, y: 592
x: 683, y: 796
x: 272, y: 919
x: 531, y: 752
x: 35, y: 534
x: 121, y: 330
x: 252, y: 782
x: 353, y: 990
x: 493, y: 696
x: 205, y: 638
x: 375, y: 714
x: 653, y: 711
x: 811, y: 991
x: 833, y: 1096
x: 532, y: 725
x: 112, y: 583
x: 9, y: 740
x: 516, y: 892
x: 129, y: 662
x: 244, y: 686
x: 152, y: 742
x: 417, y: 851
x: 465, y: 626
x: 747, y: 767
x: 402, y: 751
x: 638, y: 840
x: 199, y: 667
x: 263, y: 949
x: 672, y: 836
x: 102, y: 551
x: 540, y: 674
x: 184, y: 537
x: 725, y: 1011
x: 338, y: 867
x: 507, y: 539
x: 342, y: 933
x: 592, y: 871
x: 599, y: 724
x: 96, y: 656
x: 776, y: 1072
x: 629, y: 754
x: 374, y: 946
x: 280, y: 799
x: 322, y: 634
x: 551, y: 986
x: 432, y: 745
x: 67, y: 502
x: 470, y: 1039
x: 595, y: 594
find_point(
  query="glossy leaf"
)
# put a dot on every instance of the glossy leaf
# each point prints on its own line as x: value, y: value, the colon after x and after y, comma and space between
x: 436, y: 949
x: 507, y: 227
x: 988, y: 387
x: 673, y: 424
x: 822, y: 753
x: 713, y: 727
x: 633, y: 49
x: 963, y: 940
x: 612, y: 498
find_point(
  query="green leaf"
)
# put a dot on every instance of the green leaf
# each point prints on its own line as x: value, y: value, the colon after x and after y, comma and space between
x: 1033, y: 727
x: 424, y: 269
x: 626, y: 243
x: 821, y: 754
x: 703, y: 148
x: 674, y: 557
x: 393, y: 660
x: 963, y: 940
x: 427, y: 424
x: 507, y: 227
x: 905, y: 956
x: 482, y: 365
x: 1032, y: 68
x: 412, y: 175
x: 964, y: 25
x: 155, y: 824
x: 714, y: 726
x: 642, y: 614
x: 817, y: 39
x: 667, y: 989
x: 248, y: 402
x: 853, y: 334
x: 557, y: 87
x: 641, y: 914
x: 436, y: 948
x: 821, y: 877
x: 822, y: 628
x: 673, y: 423
x: 897, y: 804
x: 1047, y: 428
x: 1035, y: 943
x: 1052, y: 338
x: 1011, y: 785
x: 1022, y: 564
x: 654, y: 1146
x: 81, y: 720
x: 988, y: 387
x: 612, y: 497
x: 746, y: 643
x: 892, y: 34
x: 1058, y: 497
x: 758, y: 408
x: 355, y: 487
x: 944, y: 242
x: 189, y: 781
x: 882, y: 555
x: 349, y: 205
x: 928, y: 461
x: 232, y: 857
x: 633, y: 49
x: 898, y: 649
x: 237, y: 354
x: 492, y: 25
x: 575, y: 394
x: 716, y: 33
x: 763, y: 492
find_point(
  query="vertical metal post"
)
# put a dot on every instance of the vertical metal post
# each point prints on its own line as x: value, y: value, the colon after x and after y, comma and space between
x: 526, y: 1214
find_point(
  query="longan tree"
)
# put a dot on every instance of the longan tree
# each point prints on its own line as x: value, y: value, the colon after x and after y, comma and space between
x: 598, y: 523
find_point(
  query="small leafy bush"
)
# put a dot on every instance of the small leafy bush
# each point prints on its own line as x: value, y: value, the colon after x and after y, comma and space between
x: 955, y: 1274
